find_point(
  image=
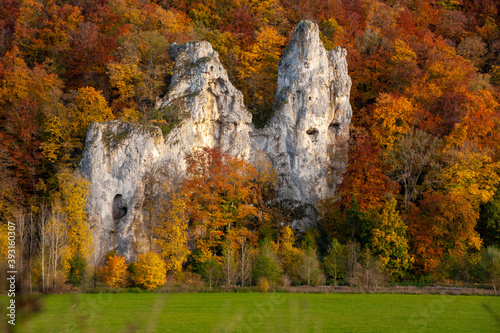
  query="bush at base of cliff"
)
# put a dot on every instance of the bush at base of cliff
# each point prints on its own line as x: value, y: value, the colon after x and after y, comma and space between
x: 149, y: 271
x: 114, y: 273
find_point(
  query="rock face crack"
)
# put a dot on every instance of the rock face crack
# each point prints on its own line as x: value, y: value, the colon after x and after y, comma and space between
x: 305, y: 139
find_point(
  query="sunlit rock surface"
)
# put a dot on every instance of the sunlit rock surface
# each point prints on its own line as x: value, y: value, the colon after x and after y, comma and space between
x: 306, y: 139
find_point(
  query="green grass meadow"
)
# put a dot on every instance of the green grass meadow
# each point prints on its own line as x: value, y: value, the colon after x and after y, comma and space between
x: 255, y: 312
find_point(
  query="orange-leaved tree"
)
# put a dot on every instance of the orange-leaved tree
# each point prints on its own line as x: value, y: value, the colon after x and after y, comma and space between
x: 365, y: 180
x: 393, y: 116
x: 222, y: 197
x: 115, y: 272
x: 440, y: 227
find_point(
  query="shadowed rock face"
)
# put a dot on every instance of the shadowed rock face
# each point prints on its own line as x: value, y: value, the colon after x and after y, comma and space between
x: 306, y: 139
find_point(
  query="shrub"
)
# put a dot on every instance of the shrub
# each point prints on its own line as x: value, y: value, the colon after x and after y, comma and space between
x: 494, y: 254
x: 115, y: 273
x: 263, y: 285
x: 187, y: 278
x: 150, y: 271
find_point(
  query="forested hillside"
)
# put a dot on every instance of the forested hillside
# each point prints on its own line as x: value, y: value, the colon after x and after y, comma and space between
x: 419, y: 199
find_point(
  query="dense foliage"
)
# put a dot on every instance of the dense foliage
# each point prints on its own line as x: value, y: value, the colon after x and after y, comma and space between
x: 420, y: 195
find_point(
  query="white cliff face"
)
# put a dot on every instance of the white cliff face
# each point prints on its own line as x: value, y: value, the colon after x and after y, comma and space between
x: 200, y: 87
x: 306, y: 139
x: 118, y: 156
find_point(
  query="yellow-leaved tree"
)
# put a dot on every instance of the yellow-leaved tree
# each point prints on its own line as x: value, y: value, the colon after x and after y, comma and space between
x: 171, y: 233
x: 150, y: 271
x: 290, y: 256
x: 138, y: 76
x: 403, y: 64
x: 124, y: 77
x: 115, y: 272
x: 88, y: 105
x: 58, y: 144
x: 65, y: 130
x: 389, y: 242
x: 4, y: 242
x: 403, y: 53
x: 472, y: 174
x: 258, y: 72
x: 73, y: 192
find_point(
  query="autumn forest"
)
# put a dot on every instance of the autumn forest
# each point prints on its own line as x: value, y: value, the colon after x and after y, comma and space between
x: 420, y: 198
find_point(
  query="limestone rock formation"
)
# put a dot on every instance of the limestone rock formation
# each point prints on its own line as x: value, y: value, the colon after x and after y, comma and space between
x: 200, y: 88
x: 306, y: 139
x: 118, y: 156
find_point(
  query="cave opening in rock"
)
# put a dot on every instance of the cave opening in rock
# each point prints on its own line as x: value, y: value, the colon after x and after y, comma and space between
x: 334, y: 128
x: 312, y: 131
x: 119, y: 207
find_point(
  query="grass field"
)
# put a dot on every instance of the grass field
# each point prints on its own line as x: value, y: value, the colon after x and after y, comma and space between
x: 273, y: 312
